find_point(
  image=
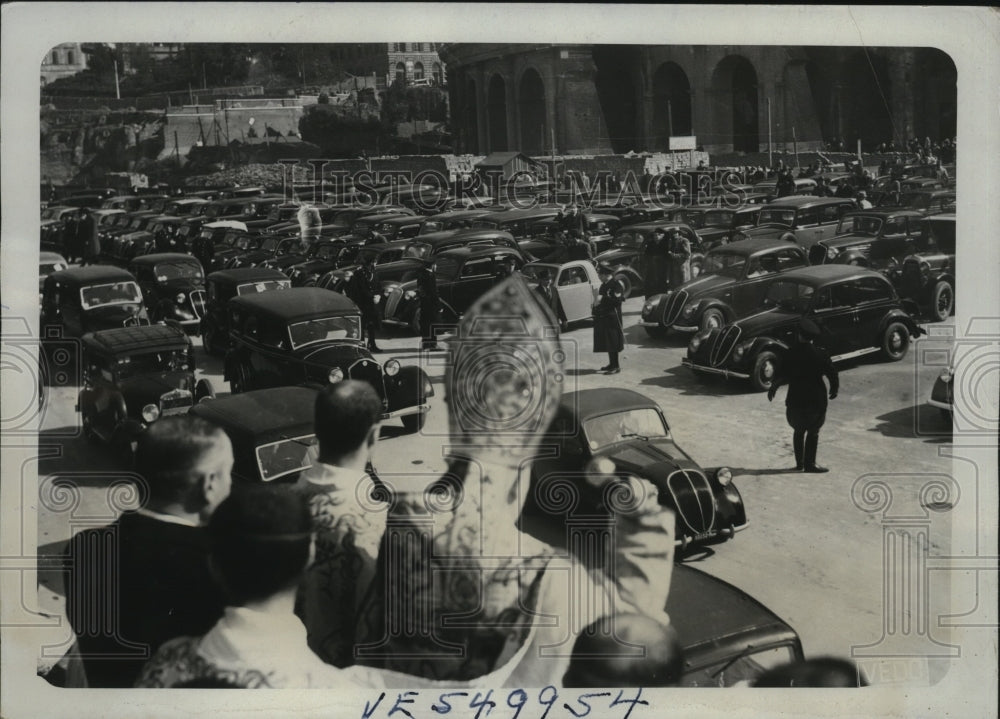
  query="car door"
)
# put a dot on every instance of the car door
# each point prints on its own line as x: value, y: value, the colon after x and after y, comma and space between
x: 833, y: 311
x: 271, y: 365
x: 475, y: 277
x: 872, y: 297
x: 576, y: 293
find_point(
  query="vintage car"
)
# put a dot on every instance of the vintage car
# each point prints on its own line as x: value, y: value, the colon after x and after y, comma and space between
x: 625, y: 254
x: 379, y: 255
x: 575, y: 283
x: 271, y: 431
x: 311, y: 336
x: 943, y: 393
x: 453, y: 220
x: 733, y: 282
x: 53, y: 226
x: 262, y: 249
x: 620, y: 432
x: 925, y: 201
x: 805, y: 220
x: 521, y: 224
x: 803, y: 186
x: 399, y: 227
x: 49, y: 262
x: 599, y: 230
x: 222, y: 286
x: 718, y: 224
x: 857, y: 311
x: 305, y: 268
x: 463, y: 275
x: 118, y: 242
x: 173, y: 288
x: 926, y: 275
x: 96, y: 297
x: 858, y: 232
x: 132, y: 376
x: 728, y: 637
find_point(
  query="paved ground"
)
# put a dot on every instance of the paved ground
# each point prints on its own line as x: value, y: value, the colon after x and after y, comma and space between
x: 810, y: 553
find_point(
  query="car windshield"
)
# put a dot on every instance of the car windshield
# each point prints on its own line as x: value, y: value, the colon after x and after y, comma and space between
x: 420, y: 250
x: 166, y: 271
x: 325, y: 252
x: 774, y: 216
x: 532, y: 272
x: 53, y: 213
x: 277, y: 459
x: 789, y: 295
x: 634, y: 423
x: 252, y: 288
x: 446, y: 268
x: 429, y: 227
x: 325, y: 329
x: 348, y: 254
x: 152, y: 362
x: 742, y: 668
x: 47, y: 268
x: 860, y: 225
x: 724, y: 263
x: 629, y: 240
x: 937, y: 236
x: 113, y: 293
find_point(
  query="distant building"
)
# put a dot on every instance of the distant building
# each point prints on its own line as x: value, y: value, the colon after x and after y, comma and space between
x: 580, y: 99
x: 413, y: 62
x: 63, y: 60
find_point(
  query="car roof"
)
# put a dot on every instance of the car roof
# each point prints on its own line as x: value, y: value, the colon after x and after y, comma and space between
x: 819, y: 275
x: 942, y: 217
x: 883, y: 213
x: 587, y: 403
x: 121, y: 340
x: 706, y: 609
x: 296, y: 303
x: 477, y: 251
x: 383, y: 217
x: 523, y: 214
x: 652, y: 225
x: 157, y: 257
x: 91, y: 274
x: 460, y: 214
x: 799, y: 201
x: 263, y: 414
x: 754, y: 245
x: 246, y: 274
x: 50, y: 257
x: 398, y: 219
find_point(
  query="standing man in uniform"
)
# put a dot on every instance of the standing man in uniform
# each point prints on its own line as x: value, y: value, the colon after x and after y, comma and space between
x: 550, y: 298
x: 678, y: 258
x: 430, y: 305
x: 802, y: 369
x: 655, y: 259
x: 362, y: 290
x: 608, y: 333
x: 87, y: 239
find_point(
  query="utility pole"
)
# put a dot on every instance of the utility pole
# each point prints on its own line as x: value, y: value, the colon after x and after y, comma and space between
x: 118, y: 94
x: 770, y: 146
x: 795, y: 146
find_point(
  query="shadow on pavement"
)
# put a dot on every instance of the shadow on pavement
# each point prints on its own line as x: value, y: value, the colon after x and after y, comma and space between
x: 744, y: 472
x: 688, y: 383
x: 920, y: 422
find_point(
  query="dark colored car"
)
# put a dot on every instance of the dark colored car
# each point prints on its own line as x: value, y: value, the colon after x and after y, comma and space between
x: 716, y: 225
x: 727, y: 636
x: 261, y: 249
x: 625, y: 433
x: 925, y: 201
x: 453, y: 220
x: 91, y: 298
x: 222, y: 286
x: 943, y: 393
x: 271, y: 431
x: 733, y: 283
x: 311, y: 336
x: 625, y: 254
x: 49, y: 262
x: 463, y: 275
x: 857, y: 311
x: 400, y: 227
x: 379, y: 255
x: 132, y: 376
x: 119, y: 242
x: 927, y: 273
x: 853, y: 242
x: 801, y: 219
x: 305, y: 268
x: 599, y: 230
x: 173, y: 288
x: 53, y: 226
x: 521, y: 224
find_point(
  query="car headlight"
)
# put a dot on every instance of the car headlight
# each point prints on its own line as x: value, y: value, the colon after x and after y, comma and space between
x: 724, y: 475
x: 647, y: 307
x: 179, y: 299
x: 409, y: 295
x: 831, y: 253
x: 335, y: 375
x: 740, y: 350
x: 698, y: 339
x: 689, y: 309
x: 150, y: 412
x: 946, y: 374
x: 391, y: 367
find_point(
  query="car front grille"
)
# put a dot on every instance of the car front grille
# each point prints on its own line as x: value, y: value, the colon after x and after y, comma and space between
x: 675, y: 303
x: 368, y: 370
x: 722, y: 345
x: 392, y: 302
x: 911, y: 279
x: 817, y: 255
x: 175, y: 402
x: 693, y: 500
x: 198, y: 303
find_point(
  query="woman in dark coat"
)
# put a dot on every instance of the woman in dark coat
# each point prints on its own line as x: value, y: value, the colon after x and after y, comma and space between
x: 608, y: 334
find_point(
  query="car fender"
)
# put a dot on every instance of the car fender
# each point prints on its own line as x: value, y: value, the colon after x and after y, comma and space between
x: 900, y: 316
x: 447, y: 311
x: 410, y: 387
x: 855, y: 256
x: 764, y: 344
x: 708, y: 303
x: 85, y: 399
x: 633, y: 274
x: 933, y: 280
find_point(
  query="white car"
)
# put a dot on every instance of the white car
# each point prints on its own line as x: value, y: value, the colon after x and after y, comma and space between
x: 575, y: 282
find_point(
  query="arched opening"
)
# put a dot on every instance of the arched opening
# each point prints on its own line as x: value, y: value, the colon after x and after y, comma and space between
x: 936, y: 103
x: 823, y: 97
x: 734, y: 86
x: 866, y: 102
x: 400, y: 73
x: 471, y: 123
x: 418, y: 71
x: 531, y: 98
x: 496, y: 113
x: 438, y: 77
x: 616, y: 89
x: 671, y: 105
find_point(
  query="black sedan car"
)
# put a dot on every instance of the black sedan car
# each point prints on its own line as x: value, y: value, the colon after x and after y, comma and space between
x: 221, y: 287
x: 311, y: 336
x: 927, y: 273
x: 173, y: 288
x: 857, y: 234
x: 132, y: 376
x: 271, y: 431
x: 857, y: 311
x: 621, y: 432
x: 733, y: 282
x: 85, y: 299
x: 625, y: 254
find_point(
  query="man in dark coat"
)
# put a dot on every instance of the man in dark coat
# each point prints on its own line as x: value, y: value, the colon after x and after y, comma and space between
x: 362, y: 290
x: 678, y: 258
x: 550, y: 298
x: 654, y: 258
x: 87, y: 240
x: 72, y: 247
x: 802, y: 369
x: 430, y: 305
x: 608, y: 333
x: 145, y: 578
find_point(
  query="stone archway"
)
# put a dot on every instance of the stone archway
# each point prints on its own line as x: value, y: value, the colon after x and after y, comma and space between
x: 531, y: 111
x: 496, y: 114
x: 671, y: 105
x: 735, y: 110
x: 471, y: 120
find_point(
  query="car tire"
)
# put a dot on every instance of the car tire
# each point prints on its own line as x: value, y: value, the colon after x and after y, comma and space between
x: 711, y: 318
x: 626, y: 283
x: 765, y: 365
x: 657, y: 333
x: 942, y: 301
x: 895, y: 341
x: 203, y: 390
x: 414, y: 422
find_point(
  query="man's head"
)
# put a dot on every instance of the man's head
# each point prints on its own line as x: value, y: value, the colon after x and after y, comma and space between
x: 625, y: 650
x: 659, y: 233
x: 187, y: 463
x: 260, y: 542
x: 346, y: 420
x: 604, y: 272
x: 545, y: 278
